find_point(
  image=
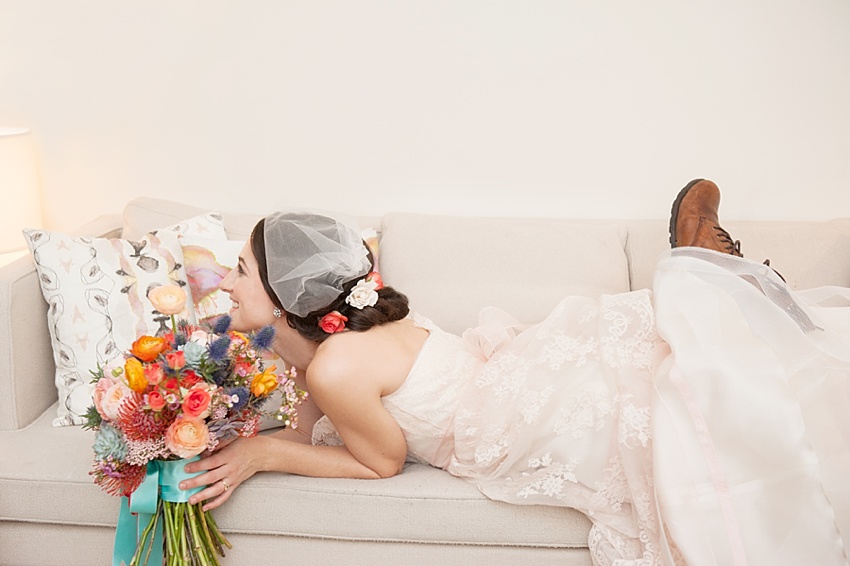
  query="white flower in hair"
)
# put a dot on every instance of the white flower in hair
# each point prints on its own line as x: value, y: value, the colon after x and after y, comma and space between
x: 364, y: 294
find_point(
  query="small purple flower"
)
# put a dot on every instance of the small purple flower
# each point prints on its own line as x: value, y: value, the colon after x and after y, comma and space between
x: 242, y: 394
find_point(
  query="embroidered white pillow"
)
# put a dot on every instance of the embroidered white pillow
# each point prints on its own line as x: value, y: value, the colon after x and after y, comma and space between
x: 96, y: 291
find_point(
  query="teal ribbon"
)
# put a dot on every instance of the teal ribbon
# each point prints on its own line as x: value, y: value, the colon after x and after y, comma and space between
x: 162, y: 479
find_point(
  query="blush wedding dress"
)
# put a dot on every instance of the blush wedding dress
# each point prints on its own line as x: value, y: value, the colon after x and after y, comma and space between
x: 705, y: 422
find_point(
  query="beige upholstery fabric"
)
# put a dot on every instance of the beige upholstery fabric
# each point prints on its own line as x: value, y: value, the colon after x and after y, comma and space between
x: 422, y: 504
x: 144, y: 214
x: 807, y: 254
x: 452, y: 267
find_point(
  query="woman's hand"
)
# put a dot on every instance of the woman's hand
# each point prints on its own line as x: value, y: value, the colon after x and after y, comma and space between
x: 225, y: 469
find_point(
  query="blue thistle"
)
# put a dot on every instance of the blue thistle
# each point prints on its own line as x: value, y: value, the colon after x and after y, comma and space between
x: 219, y: 348
x: 222, y: 324
x: 220, y: 375
x: 242, y: 395
x: 109, y: 442
x: 262, y: 340
x: 180, y: 339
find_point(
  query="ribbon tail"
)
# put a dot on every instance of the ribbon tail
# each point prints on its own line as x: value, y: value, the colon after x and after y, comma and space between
x: 129, y: 532
x: 125, y: 535
x: 137, y: 512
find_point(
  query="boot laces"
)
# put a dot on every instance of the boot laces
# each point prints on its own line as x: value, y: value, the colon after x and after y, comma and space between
x: 732, y: 246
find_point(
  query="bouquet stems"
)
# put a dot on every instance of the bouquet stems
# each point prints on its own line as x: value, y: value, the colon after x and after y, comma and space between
x: 191, y: 536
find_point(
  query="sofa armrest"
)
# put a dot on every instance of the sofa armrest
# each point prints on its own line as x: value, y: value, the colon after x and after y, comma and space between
x: 26, y: 357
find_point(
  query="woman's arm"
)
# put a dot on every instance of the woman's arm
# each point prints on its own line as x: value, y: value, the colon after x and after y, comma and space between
x: 244, y: 457
x: 351, y: 398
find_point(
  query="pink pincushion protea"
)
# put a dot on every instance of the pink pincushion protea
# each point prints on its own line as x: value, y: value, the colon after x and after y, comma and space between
x: 140, y: 425
x: 118, y: 478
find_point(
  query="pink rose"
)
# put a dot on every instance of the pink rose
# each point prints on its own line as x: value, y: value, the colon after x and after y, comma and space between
x: 200, y: 337
x: 156, y: 400
x: 100, y: 389
x: 111, y: 401
x: 154, y: 374
x: 175, y: 360
x: 197, y: 403
x: 187, y: 437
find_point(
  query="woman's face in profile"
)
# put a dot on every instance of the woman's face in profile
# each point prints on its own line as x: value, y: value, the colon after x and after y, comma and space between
x: 252, y: 308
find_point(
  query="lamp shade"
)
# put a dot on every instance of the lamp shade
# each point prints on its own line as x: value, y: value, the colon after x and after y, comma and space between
x: 20, y: 202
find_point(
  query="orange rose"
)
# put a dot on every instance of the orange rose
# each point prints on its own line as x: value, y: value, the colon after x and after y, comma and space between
x: 187, y: 437
x: 264, y: 383
x: 168, y: 299
x: 197, y: 403
x: 147, y: 348
x: 135, y: 372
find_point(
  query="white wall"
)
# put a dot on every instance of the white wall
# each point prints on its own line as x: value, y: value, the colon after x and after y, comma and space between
x: 594, y: 108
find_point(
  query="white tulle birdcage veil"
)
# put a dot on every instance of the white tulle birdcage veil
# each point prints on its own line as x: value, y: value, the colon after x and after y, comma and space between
x: 310, y: 257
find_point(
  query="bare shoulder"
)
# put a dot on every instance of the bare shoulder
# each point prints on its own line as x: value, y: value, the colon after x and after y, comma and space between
x: 379, y: 358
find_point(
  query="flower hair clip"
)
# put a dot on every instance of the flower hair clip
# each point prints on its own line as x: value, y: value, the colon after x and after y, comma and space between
x: 365, y: 293
x: 333, y: 322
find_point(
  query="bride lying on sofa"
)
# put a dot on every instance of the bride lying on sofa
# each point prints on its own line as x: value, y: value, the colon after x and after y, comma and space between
x: 705, y: 422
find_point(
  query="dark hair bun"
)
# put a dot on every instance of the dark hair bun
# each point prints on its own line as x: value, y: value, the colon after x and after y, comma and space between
x: 391, y: 306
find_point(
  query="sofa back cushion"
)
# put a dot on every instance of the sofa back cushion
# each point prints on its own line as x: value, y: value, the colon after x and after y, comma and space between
x: 141, y: 215
x: 452, y: 267
x: 807, y: 253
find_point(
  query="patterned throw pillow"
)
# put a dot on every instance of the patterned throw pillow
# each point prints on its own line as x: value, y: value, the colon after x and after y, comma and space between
x: 207, y: 261
x: 96, y: 290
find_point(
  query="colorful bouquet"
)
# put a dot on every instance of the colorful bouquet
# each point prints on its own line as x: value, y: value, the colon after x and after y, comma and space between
x: 170, y: 398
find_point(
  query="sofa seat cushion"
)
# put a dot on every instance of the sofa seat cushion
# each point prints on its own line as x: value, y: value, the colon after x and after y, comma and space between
x: 452, y: 267
x: 422, y: 504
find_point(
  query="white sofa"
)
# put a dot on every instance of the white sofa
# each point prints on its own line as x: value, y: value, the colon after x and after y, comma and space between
x: 450, y: 268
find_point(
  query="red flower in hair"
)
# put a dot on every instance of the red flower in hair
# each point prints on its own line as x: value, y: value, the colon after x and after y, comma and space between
x: 333, y: 322
x: 376, y: 277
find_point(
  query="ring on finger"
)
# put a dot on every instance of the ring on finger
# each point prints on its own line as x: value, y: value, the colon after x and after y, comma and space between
x: 225, y: 484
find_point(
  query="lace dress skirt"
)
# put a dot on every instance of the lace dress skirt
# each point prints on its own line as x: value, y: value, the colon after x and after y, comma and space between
x: 707, y: 422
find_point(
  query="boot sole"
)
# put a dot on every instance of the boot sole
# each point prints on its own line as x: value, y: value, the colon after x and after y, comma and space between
x: 674, y: 212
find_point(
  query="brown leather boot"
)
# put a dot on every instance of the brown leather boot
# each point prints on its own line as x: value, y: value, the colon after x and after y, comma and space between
x: 694, y: 222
